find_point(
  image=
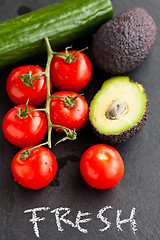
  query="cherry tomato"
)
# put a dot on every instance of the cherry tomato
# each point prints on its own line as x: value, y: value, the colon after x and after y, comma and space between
x: 26, y: 131
x: 70, y: 117
x: 101, y: 166
x: 71, y: 76
x: 19, y: 91
x: 36, y: 171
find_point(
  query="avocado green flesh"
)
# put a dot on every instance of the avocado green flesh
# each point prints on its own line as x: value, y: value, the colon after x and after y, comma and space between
x: 114, y: 88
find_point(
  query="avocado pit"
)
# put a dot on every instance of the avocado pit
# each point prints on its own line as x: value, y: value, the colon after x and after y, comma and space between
x: 117, y: 109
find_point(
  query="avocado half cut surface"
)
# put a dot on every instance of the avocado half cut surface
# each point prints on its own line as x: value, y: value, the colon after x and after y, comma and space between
x: 119, y: 110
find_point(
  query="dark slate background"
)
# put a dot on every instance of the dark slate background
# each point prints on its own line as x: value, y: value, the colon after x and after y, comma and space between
x: 139, y: 187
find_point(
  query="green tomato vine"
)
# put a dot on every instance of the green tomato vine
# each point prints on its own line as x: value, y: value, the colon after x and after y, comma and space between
x: 70, y: 134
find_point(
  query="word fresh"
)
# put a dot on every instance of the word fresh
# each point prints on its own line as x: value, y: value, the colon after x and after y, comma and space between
x: 61, y: 217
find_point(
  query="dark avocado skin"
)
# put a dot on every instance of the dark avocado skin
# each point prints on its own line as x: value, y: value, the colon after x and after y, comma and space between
x: 124, y: 42
x: 126, y: 135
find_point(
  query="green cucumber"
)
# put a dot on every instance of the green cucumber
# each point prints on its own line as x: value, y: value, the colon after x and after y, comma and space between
x: 63, y: 23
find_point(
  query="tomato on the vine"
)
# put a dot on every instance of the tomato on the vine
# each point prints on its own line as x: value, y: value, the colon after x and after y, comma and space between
x: 27, y: 82
x: 24, y: 128
x: 101, y: 166
x: 35, y: 171
x: 68, y: 109
x: 70, y: 70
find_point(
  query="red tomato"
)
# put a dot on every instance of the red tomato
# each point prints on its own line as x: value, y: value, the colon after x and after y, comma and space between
x: 27, y: 131
x: 36, y: 171
x: 69, y: 117
x: 19, y: 93
x: 101, y: 166
x: 71, y: 76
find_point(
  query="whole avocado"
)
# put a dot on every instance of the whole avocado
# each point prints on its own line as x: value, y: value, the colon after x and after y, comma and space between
x: 124, y: 42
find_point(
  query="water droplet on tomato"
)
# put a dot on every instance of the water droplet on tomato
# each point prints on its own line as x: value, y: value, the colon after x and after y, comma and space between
x: 46, y: 163
x: 50, y: 169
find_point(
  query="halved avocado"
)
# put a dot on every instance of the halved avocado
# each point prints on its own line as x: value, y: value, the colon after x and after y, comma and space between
x: 119, y: 110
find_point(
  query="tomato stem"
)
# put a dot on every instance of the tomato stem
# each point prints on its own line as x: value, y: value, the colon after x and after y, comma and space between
x: 70, y: 134
x: 39, y: 109
x: 47, y: 72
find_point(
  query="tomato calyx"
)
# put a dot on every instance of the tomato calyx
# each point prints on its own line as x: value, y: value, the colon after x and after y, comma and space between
x: 69, y: 101
x: 24, y: 113
x: 25, y: 154
x: 70, y: 134
x: 68, y: 57
x: 29, y: 80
